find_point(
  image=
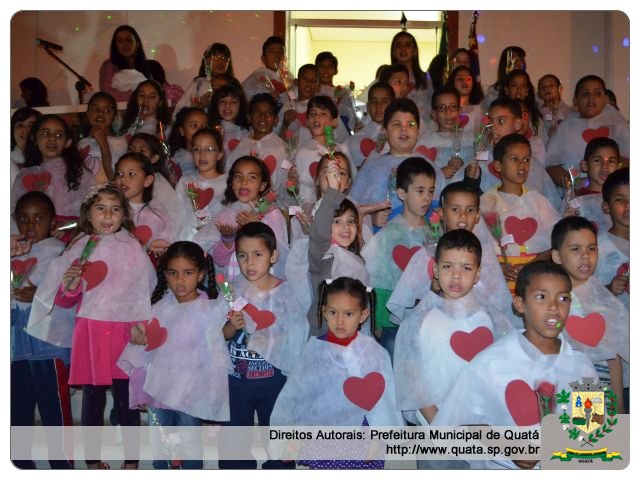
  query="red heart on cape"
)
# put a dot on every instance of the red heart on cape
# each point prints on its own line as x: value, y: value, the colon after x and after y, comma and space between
x: 522, y: 229
x: 401, y: 255
x: 302, y: 118
x: 36, y: 181
x: 21, y: 267
x: 95, y: 273
x: 430, y: 265
x: 591, y: 133
x: 232, y: 144
x: 279, y: 86
x: 156, y: 335
x: 313, y: 169
x: 430, y: 153
x: 84, y: 152
x: 588, y: 330
x: 262, y: 318
x: 270, y: 162
x: 143, y: 233
x: 522, y: 403
x: 204, y: 197
x: 367, y: 146
x: 364, y: 392
x: 468, y: 344
x: 492, y: 170
x: 463, y: 120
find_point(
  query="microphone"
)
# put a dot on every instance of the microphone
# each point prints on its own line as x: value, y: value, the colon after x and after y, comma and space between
x: 49, y: 45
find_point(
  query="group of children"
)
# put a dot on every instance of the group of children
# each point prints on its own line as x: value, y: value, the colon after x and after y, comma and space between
x: 204, y: 270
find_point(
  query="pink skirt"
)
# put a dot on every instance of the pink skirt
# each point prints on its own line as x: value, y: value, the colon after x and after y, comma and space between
x: 95, y: 349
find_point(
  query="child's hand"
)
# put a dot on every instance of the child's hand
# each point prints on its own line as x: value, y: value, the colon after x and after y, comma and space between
x: 510, y: 272
x: 333, y: 175
x: 381, y: 217
x: 205, y: 100
x: 619, y: 284
x: 100, y: 134
x: 370, y: 208
x: 20, y: 245
x: 71, y: 278
x: 289, y: 117
x: 246, y: 217
x: 24, y: 294
x: 455, y: 162
x: 305, y: 222
x: 236, y: 319
x: 449, y: 171
x: 228, y: 233
x: 158, y: 247
x: 139, y: 334
x: 292, y: 176
x: 472, y: 170
x: 570, y: 212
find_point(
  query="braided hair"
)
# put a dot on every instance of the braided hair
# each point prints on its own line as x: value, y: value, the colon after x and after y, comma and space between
x: 352, y: 287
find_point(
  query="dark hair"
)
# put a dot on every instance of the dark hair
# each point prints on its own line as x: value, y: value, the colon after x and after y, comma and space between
x: 157, y: 72
x: 598, y: 143
x: 272, y: 40
x: 38, y: 92
x: 324, y: 103
x: 176, y: 139
x: 263, y: 98
x: 216, y: 49
x: 444, y: 90
x: 436, y: 69
x: 418, y: 74
x: 147, y: 168
x: 549, y: 75
x: 36, y: 197
x: 84, y: 118
x: 163, y: 113
x: 115, y: 57
x: 459, y: 239
x: 588, y: 78
x: 459, y: 187
x: 381, y: 86
x: 529, y: 100
x: 308, y: 66
x: 84, y: 224
x: 569, y: 224
x: 20, y: 115
x: 258, y: 230
x: 389, y: 70
x: 75, y: 167
x: 500, y: 149
x: 615, y: 179
x: 344, y: 207
x: 322, y: 56
x: 233, y: 91
x: 217, y: 137
x: 229, y: 195
x: 410, y: 168
x: 404, y: 105
x: 156, y: 148
x: 352, y: 287
x: 193, y: 252
x: 509, y: 103
x: 613, y: 101
x: 477, y: 95
x: 502, y: 64
x: 539, y: 267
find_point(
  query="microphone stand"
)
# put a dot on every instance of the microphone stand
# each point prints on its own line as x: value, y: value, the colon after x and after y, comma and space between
x: 81, y: 85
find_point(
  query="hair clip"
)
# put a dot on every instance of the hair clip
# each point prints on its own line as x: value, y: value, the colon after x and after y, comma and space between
x: 328, y: 281
x: 369, y: 289
x: 97, y: 188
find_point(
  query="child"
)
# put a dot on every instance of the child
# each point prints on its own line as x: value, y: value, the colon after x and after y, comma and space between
x: 471, y: 95
x: 188, y: 121
x: 389, y: 251
x: 262, y: 142
x: 184, y: 379
x: 293, y: 116
x: 510, y: 376
x: 106, y: 275
x: 397, y: 77
x: 525, y: 216
x: 371, y: 138
x: 434, y: 341
x: 245, y: 201
x: 153, y: 226
x: 613, y: 244
x: 39, y: 370
x: 512, y: 57
x: 21, y: 122
x: 228, y: 111
x: 199, y: 194
x: 266, y: 79
x: 553, y: 109
x: 518, y: 86
x: 327, y: 65
x: 598, y: 323
x: 459, y: 208
x: 100, y: 143
x: 266, y: 337
x: 326, y: 398
x: 595, y: 117
x: 147, y: 111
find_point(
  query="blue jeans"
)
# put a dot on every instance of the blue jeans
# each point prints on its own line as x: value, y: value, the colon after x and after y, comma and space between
x: 388, y: 339
x: 193, y: 443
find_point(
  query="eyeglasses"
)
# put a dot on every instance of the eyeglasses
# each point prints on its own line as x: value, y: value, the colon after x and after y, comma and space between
x: 49, y: 133
x: 207, y: 149
x: 447, y: 108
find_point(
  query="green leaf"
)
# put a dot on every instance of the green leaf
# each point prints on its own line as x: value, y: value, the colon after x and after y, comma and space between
x: 564, y: 418
x: 574, y: 433
x: 563, y: 396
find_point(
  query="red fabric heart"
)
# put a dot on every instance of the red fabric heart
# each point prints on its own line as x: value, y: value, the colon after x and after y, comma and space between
x: 279, y: 86
x: 143, y: 233
x: 430, y: 265
x: 522, y: 229
x: 468, y: 345
x: 401, y: 255
x: 262, y: 318
x: 522, y: 403
x: 36, y: 181
x: 313, y: 169
x: 492, y: 170
x: 591, y: 133
x: 232, y: 144
x: 156, y: 335
x: 84, y: 152
x: 21, y: 267
x: 302, y: 118
x: 364, y: 392
x: 270, y: 162
x: 204, y: 197
x: 94, y: 273
x: 367, y: 146
x: 588, y: 330
x: 430, y: 153
x: 463, y: 120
